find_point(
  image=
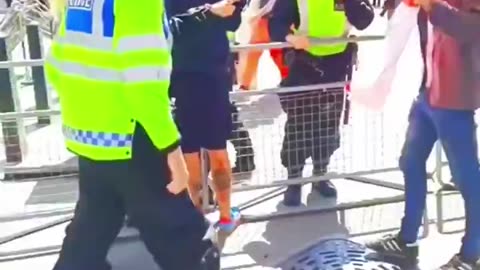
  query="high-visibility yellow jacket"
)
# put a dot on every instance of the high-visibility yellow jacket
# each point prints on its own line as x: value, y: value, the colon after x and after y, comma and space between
x: 231, y: 36
x: 110, y: 64
x: 320, y: 19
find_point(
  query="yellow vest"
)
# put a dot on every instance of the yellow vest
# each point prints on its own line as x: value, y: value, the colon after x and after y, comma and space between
x: 110, y: 64
x: 318, y: 19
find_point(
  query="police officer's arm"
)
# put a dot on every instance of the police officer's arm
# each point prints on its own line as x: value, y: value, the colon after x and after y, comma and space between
x: 284, y: 14
x: 462, y: 25
x: 360, y: 13
x: 145, y: 60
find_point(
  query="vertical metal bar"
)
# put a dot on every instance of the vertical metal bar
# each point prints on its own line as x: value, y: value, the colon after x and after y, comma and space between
x: 38, y: 72
x: 27, y: 80
x: 440, y: 218
x: 10, y: 128
x: 205, y: 190
x: 426, y: 224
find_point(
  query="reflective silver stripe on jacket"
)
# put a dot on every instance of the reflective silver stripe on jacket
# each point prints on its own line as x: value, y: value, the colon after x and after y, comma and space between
x: 93, y: 73
x: 99, y: 139
x: 145, y: 42
x: 304, y: 26
x: 125, y: 45
x: 138, y: 74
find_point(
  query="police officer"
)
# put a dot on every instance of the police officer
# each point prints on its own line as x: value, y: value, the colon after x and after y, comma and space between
x: 313, y: 118
x: 110, y: 64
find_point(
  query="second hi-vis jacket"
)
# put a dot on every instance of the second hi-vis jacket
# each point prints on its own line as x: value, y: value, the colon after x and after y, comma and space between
x: 319, y: 19
x: 110, y: 64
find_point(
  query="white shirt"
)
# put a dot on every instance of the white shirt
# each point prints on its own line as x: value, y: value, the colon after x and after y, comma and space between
x: 429, y: 55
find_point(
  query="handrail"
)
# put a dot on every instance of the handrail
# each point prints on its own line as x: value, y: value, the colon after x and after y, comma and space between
x: 278, y: 90
x: 237, y: 48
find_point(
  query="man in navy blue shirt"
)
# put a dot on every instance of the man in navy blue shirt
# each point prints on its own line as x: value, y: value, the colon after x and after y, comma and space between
x: 313, y: 118
x: 200, y: 84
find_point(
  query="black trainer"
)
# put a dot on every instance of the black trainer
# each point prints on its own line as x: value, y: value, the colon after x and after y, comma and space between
x: 244, y: 164
x: 456, y: 263
x: 392, y: 246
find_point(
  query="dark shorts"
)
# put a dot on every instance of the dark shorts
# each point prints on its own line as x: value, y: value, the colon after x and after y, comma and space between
x: 202, y: 109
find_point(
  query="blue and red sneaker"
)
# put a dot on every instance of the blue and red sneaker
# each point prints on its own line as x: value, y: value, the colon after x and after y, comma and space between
x: 229, y: 225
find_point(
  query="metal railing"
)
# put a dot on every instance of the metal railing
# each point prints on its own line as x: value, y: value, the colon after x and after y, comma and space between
x: 50, y: 166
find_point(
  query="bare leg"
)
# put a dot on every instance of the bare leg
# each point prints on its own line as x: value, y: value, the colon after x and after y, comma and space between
x: 195, y: 181
x: 222, y: 180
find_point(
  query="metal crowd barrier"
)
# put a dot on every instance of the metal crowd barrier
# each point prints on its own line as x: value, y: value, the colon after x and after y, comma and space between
x: 361, y: 154
x: 19, y: 33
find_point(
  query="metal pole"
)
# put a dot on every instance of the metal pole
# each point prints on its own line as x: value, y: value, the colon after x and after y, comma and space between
x: 237, y: 48
x: 10, y: 129
x: 313, y: 42
x: 38, y: 73
x: 27, y: 80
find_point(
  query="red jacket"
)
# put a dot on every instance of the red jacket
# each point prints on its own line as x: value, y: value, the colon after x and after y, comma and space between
x: 456, y: 56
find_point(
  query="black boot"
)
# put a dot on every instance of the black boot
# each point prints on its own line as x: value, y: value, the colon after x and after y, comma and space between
x: 324, y: 188
x: 244, y: 164
x: 293, y: 195
x: 243, y: 145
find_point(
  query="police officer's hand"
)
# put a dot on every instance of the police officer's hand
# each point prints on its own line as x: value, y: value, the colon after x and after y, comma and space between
x: 179, y: 172
x: 224, y: 8
x: 298, y: 42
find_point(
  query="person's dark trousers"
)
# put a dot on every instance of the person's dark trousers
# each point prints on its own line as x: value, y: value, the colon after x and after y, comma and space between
x: 456, y: 130
x: 240, y: 136
x: 313, y: 120
x: 169, y: 225
x: 242, y: 143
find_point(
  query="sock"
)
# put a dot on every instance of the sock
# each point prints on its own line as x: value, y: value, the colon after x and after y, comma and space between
x: 224, y: 220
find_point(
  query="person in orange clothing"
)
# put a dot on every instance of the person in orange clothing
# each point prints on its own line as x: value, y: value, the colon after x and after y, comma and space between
x: 258, y: 24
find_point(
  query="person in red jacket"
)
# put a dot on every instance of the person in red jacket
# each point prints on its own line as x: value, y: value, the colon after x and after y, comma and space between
x: 443, y: 111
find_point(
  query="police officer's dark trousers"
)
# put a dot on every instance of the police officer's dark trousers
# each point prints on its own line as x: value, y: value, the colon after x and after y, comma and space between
x: 313, y: 117
x: 170, y: 226
x: 240, y: 136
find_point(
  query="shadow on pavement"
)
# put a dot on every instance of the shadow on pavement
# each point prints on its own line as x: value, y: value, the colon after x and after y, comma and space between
x: 281, y: 236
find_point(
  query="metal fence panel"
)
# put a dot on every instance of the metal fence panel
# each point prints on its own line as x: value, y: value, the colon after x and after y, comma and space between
x: 369, y: 143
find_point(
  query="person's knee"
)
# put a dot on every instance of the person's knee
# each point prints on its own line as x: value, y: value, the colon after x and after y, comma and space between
x: 410, y: 160
x: 415, y: 152
x: 219, y: 161
x: 221, y: 170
